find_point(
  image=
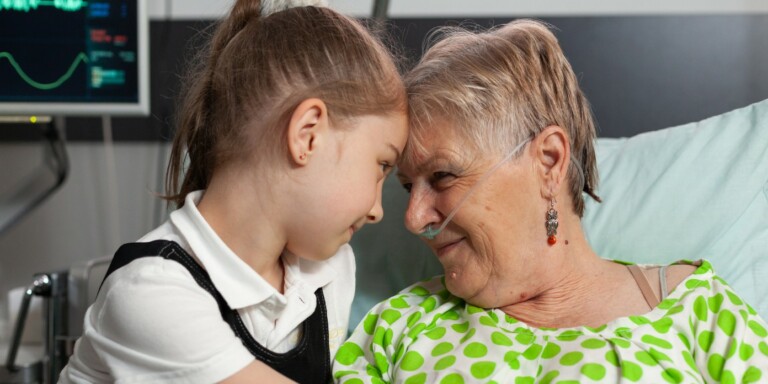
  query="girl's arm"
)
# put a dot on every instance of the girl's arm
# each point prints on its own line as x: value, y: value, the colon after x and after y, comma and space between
x: 257, y: 371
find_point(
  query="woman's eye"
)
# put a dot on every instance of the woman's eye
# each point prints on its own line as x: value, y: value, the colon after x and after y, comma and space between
x: 407, y: 187
x: 442, y: 179
x: 441, y: 176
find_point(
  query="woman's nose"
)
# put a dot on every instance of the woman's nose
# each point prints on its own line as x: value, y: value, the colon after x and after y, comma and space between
x: 421, y: 210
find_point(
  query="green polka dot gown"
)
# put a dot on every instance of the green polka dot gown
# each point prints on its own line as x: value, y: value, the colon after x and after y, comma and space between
x: 701, y: 333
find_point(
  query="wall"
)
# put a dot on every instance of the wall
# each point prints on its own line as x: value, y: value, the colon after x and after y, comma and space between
x: 206, y: 9
x: 83, y: 220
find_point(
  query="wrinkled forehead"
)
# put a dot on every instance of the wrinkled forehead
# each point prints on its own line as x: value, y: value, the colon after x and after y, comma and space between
x: 440, y: 137
x: 416, y: 151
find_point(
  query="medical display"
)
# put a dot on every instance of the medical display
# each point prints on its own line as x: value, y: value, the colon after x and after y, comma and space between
x: 73, y: 57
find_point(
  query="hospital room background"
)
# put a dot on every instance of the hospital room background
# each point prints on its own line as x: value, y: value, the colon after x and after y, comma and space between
x: 679, y: 90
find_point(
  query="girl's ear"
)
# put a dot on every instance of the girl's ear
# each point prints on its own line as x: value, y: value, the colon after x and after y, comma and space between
x: 552, y: 155
x: 306, y: 129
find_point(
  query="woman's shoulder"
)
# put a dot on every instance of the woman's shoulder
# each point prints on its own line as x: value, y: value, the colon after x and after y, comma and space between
x: 417, y: 308
x: 679, y: 271
x: 423, y: 296
x: 688, y: 273
x: 693, y: 275
x: 423, y: 300
x: 705, y: 290
x: 425, y: 287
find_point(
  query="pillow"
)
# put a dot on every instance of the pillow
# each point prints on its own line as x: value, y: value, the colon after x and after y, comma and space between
x: 696, y: 191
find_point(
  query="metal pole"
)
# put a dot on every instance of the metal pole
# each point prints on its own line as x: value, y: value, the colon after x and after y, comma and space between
x: 379, y: 16
x: 380, y: 9
x: 40, y: 286
x: 56, y: 326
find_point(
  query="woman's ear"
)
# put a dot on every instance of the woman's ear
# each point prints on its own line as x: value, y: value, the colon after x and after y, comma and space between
x: 306, y: 129
x: 552, y: 157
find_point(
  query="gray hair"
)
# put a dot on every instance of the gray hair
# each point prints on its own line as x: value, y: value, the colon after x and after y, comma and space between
x: 498, y: 88
x: 269, y: 7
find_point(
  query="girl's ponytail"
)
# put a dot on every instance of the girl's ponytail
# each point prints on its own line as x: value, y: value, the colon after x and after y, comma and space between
x: 195, y: 135
x: 243, y: 12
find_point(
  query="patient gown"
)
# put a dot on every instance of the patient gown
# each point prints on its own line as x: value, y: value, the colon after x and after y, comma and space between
x: 702, y: 332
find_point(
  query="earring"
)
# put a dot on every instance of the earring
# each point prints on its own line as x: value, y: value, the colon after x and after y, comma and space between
x: 303, y: 156
x: 552, y: 223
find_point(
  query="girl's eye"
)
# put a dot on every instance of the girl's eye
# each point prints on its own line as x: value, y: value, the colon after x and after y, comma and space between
x: 385, y: 167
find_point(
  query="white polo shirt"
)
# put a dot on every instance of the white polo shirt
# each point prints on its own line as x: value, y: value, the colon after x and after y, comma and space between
x: 151, y: 322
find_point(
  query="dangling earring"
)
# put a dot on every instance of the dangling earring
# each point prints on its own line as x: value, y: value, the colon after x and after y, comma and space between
x: 552, y: 223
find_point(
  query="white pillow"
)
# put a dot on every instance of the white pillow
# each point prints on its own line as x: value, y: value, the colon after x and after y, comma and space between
x: 696, y: 191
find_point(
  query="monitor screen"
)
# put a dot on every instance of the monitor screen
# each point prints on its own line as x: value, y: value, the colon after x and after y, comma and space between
x: 74, y: 57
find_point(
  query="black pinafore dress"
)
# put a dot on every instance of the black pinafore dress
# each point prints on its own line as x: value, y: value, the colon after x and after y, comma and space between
x: 308, y: 362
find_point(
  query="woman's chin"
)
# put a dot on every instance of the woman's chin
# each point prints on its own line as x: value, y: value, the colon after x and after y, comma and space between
x: 457, y: 287
x: 468, y: 292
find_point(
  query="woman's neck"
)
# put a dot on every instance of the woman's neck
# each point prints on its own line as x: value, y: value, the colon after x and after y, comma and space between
x: 576, y: 299
x: 246, y: 225
x: 577, y: 288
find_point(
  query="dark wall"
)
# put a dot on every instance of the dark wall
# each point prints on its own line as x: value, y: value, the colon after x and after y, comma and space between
x: 641, y: 73
x: 644, y: 73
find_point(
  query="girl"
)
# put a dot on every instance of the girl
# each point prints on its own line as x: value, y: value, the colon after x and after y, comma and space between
x: 289, y: 129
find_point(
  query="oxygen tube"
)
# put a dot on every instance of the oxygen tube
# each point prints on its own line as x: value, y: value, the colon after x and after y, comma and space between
x: 430, y: 233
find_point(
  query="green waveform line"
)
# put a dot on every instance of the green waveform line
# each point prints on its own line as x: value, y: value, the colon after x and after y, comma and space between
x: 31, y: 5
x: 81, y: 57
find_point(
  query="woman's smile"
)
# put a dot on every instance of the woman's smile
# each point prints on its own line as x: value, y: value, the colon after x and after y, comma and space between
x: 444, y: 248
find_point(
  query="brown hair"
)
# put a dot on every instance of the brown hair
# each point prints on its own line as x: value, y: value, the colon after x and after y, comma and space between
x: 498, y: 88
x: 255, y: 72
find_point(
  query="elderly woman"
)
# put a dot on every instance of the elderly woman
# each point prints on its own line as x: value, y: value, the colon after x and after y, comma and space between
x: 500, y: 156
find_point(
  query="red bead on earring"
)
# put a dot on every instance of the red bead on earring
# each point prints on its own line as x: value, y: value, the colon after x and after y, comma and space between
x: 551, y: 223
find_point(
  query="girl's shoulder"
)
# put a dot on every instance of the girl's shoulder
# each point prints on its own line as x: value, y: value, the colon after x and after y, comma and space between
x: 151, y: 317
x: 146, y: 286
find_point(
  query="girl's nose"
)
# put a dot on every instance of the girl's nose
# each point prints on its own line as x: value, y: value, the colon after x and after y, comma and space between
x: 377, y: 211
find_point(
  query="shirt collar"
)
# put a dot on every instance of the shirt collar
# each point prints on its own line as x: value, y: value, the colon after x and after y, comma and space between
x: 237, y: 282
x: 313, y: 274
